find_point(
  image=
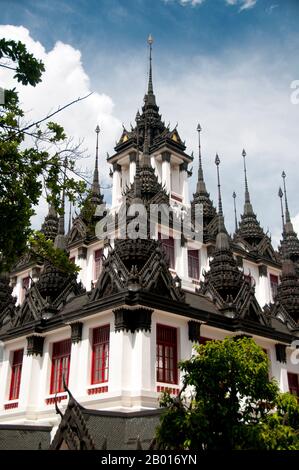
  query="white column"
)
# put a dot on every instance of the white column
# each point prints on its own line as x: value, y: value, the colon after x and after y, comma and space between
x: 181, y: 263
x: 262, y: 290
x: 132, y: 169
x: 204, y: 262
x: 77, y: 384
x: 166, y: 179
x: 184, y: 183
x: 120, y: 361
x: 116, y: 185
x: 143, y: 368
x: 30, y: 389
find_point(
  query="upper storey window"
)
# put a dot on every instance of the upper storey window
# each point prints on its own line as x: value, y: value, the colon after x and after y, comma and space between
x: 16, y: 373
x: 167, y: 363
x: 97, y: 263
x: 193, y: 264
x: 168, y: 247
x: 61, y: 358
x: 273, y: 286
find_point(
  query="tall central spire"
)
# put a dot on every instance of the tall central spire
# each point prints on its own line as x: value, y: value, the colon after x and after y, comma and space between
x: 150, y: 89
x: 149, y: 98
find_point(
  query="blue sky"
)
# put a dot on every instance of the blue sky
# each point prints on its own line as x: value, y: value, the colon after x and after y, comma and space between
x: 226, y: 63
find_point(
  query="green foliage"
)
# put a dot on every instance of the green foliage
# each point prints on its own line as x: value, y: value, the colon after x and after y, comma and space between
x: 229, y: 402
x: 44, y: 250
x: 28, y: 69
x: 28, y: 170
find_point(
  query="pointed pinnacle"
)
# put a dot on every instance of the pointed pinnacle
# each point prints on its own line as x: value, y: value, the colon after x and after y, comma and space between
x: 287, y: 213
x: 217, y: 162
x: 150, y: 41
x: 280, y: 193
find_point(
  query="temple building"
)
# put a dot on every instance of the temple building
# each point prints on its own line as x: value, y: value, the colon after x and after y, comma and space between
x: 85, y: 358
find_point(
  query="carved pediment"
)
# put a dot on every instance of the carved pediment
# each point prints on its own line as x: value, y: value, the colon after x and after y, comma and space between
x: 136, y: 265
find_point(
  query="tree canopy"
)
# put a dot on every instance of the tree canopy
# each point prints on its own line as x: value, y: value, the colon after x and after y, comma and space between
x: 229, y: 402
x: 35, y: 157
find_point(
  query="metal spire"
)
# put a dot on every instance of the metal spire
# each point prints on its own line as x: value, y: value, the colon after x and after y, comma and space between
x: 280, y: 195
x: 235, y: 211
x: 137, y: 187
x: 287, y: 214
x: 95, y: 184
x: 146, y: 157
x: 70, y: 217
x: 200, y: 172
x: 222, y: 242
x: 150, y: 89
x: 200, y: 186
x: 60, y: 241
x: 217, y: 162
x: 247, y: 198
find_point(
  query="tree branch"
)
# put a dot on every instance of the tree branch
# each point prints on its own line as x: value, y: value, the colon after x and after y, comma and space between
x: 36, y: 123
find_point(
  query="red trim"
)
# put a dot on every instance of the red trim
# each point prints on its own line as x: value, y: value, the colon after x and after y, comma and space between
x: 52, y: 400
x: 9, y: 406
x: 167, y: 362
x: 100, y: 354
x: 176, y: 198
x: 61, y: 356
x: 16, y: 374
x: 94, y: 391
x: 172, y: 391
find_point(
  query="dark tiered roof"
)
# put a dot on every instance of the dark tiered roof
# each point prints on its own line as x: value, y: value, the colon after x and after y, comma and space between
x: 202, y: 197
x: 50, y: 226
x: 83, y: 228
x: 289, y: 245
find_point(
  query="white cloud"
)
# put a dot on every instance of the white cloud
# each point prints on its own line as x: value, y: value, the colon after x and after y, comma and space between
x: 244, y: 4
x: 191, y: 2
x: 63, y: 81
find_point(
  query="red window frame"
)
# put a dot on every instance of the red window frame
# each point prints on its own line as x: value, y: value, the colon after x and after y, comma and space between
x: 97, y: 256
x: 100, y: 354
x: 168, y: 247
x: 167, y: 361
x: 273, y: 285
x: 16, y: 374
x: 193, y: 264
x: 61, y: 358
x: 293, y: 381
